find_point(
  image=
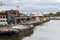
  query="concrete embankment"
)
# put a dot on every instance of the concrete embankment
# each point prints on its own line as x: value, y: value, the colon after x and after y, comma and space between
x: 54, y: 18
x: 37, y: 21
x: 41, y: 21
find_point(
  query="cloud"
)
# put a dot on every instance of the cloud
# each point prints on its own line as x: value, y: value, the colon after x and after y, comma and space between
x: 35, y: 5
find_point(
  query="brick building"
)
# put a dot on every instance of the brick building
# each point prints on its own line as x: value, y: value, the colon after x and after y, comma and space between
x: 3, y: 17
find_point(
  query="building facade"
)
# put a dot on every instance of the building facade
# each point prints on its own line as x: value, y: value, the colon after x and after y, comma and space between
x: 3, y: 18
x: 9, y: 17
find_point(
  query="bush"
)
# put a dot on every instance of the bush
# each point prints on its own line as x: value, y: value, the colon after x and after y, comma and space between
x: 2, y: 26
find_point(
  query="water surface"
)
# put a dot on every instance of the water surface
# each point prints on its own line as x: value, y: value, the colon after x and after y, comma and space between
x: 46, y: 31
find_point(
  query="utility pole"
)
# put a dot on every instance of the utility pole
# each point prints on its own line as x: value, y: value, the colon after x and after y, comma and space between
x: 16, y: 7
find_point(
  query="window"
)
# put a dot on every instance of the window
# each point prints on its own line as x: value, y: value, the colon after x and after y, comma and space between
x: 6, y: 20
x: 0, y: 20
x: 3, y: 16
x: 3, y: 20
x: 0, y: 16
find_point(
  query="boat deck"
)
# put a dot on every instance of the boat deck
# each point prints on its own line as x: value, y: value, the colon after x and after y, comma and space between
x: 30, y: 22
x: 21, y: 26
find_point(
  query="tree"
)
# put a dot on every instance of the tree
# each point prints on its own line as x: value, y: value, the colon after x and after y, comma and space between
x: 51, y: 14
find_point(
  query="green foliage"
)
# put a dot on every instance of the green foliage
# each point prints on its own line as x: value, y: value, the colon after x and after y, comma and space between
x: 2, y: 26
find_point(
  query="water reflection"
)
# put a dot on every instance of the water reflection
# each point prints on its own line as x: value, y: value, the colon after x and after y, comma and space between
x: 46, y: 31
x: 20, y: 37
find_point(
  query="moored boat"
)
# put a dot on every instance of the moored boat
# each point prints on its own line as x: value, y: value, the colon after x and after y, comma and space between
x: 15, y: 30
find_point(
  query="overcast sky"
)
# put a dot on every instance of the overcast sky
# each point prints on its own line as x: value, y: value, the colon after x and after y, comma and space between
x: 33, y: 5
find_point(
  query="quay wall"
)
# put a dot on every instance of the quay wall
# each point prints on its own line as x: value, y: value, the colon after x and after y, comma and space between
x: 38, y: 20
x: 54, y: 18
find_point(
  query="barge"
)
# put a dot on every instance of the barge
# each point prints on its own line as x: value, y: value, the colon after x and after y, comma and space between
x: 15, y: 30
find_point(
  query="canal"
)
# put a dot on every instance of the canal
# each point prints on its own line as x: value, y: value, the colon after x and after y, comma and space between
x: 46, y: 31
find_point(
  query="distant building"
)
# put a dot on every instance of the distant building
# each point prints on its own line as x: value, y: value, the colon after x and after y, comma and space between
x: 58, y: 13
x: 41, y: 14
x: 34, y: 14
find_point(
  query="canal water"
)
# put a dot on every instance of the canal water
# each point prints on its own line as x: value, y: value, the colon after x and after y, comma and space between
x: 46, y: 31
